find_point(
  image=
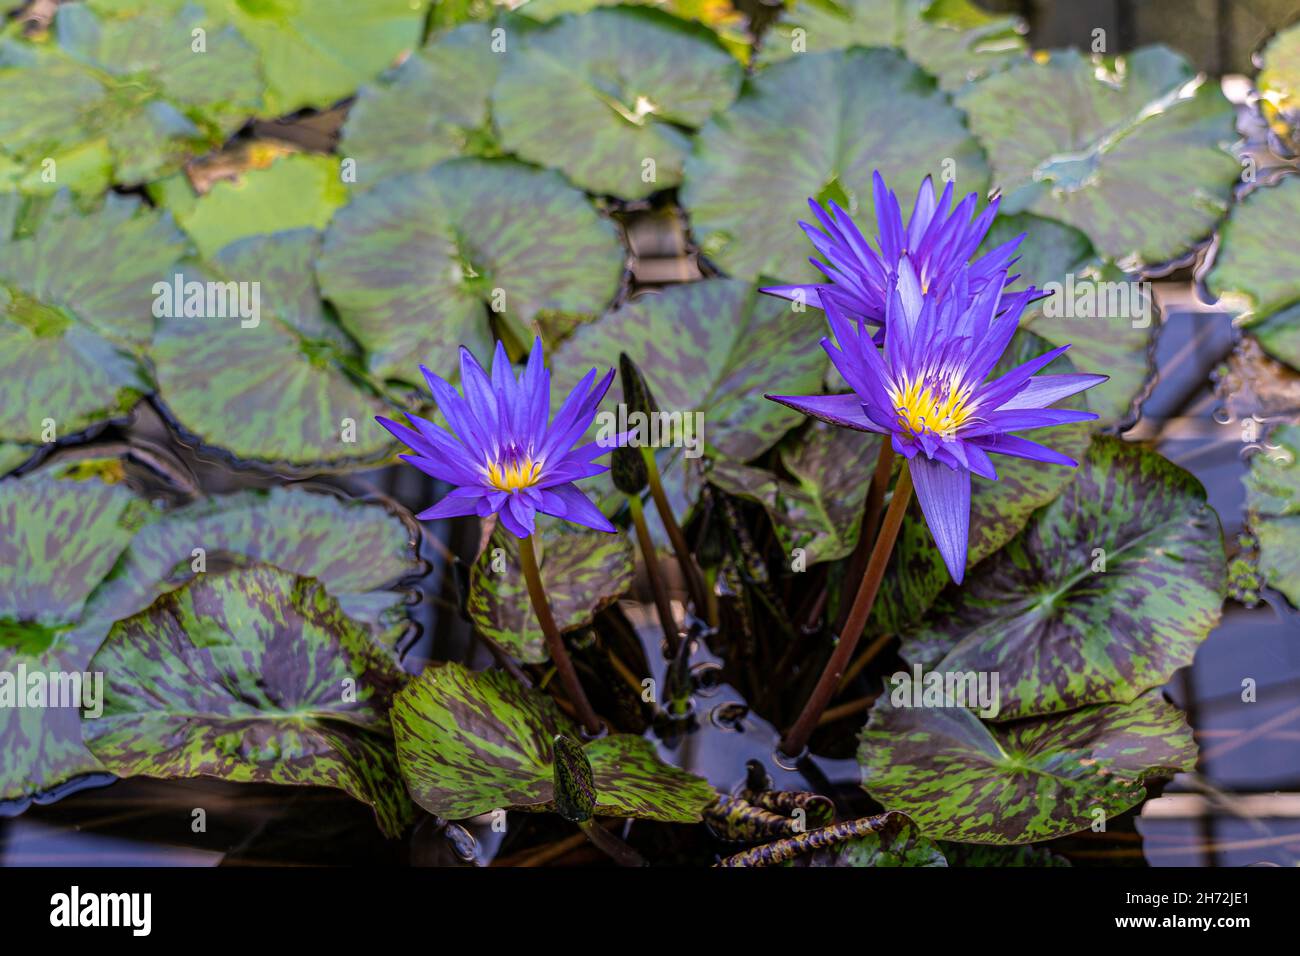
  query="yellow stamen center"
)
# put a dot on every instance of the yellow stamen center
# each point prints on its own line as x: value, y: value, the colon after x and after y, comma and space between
x: 935, y: 409
x: 514, y: 474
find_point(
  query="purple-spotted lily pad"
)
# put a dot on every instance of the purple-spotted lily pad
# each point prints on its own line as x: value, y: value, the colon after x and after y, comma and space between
x: 254, y: 675
x: 1273, y: 502
x: 971, y: 782
x: 472, y: 742
x: 582, y: 571
x: 1106, y: 592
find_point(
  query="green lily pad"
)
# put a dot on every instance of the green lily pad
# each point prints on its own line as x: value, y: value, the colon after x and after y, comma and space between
x: 818, y: 125
x: 357, y: 550
x: 74, y: 307
x: 897, y: 843
x: 1133, y: 152
x: 414, y: 265
x: 720, y: 16
x: 294, y: 192
x: 603, y: 95
x: 291, y: 393
x: 11, y: 456
x: 312, y: 53
x: 120, y: 99
x: 1255, y: 267
x: 1061, y: 632
x: 1279, y: 84
x: 582, y: 571
x: 1031, y: 780
x: 255, y: 675
x: 975, y: 854
x: 433, y: 107
x: 1273, y: 504
x: 953, y: 39
x: 471, y: 742
x: 58, y: 539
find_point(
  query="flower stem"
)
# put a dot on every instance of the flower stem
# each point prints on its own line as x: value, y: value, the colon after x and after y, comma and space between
x: 662, y: 603
x: 796, y: 739
x: 871, y: 512
x: 554, y: 643
x: 618, y: 851
x: 691, y: 574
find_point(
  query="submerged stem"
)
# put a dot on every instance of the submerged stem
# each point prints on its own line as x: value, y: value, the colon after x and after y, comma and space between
x: 618, y: 851
x: 665, y: 608
x: 796, y: 739
x: 554, y: 643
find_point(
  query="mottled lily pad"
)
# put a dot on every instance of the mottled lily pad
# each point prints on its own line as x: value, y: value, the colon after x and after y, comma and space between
x: 58, y: 539
x: 818, y: 125
x: 1133, y: 151
x: 415, y: 265
x: 1062, y: 632
x: 582, y: 571
x: 1257, y: 267
x: 120, y: 100
x: 472, y: 742
x: 292, y: 394
x: 255, y: 675
x: 433, y: 107
x: 605, y: 97
x: 1273, y: 502
x: 72, y: 310
x: 357, y: 550
x: 953, y: 39
x: 1031, y: 780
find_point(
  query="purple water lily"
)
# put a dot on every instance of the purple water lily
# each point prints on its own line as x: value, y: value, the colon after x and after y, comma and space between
x: 500, y: 453
x: 927, y: 391
x: 936, y: 245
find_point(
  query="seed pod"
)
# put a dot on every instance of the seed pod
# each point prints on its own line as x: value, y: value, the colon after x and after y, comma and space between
x: 575, y: 787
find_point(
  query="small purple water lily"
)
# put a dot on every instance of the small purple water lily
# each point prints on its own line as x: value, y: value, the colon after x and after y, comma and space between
x: 935, y: 243
x: 928, y: 393
x: 500, y: 453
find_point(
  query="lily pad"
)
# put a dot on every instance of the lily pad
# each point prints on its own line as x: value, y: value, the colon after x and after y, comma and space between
x: 471, y: 742
x: 582, y: 571
x: 605, y: 97
x: 58, y: 539
x: 1279, y: 84
x: 120, y: 99
x: 953, y: 39
x: 1031, y: 780
x: 1107, y: 591
x: 73, y: 308
x: 414, y: 265
x: 720, y: 16
x: 711, y: 347
x: 433, y: 107
x: 1273, y: 503
x: 293, y: 192
x: 255, y: 675
x: 1255, y: 267
x: 818, y: 125
x: 1133, y: 152
x: 291, y: 392
x: 357, y: 550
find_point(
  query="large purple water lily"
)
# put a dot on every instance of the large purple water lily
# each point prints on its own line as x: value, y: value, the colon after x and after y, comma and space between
x: 927, y: 391
x: 500, y: 453
x: 935, y: 243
